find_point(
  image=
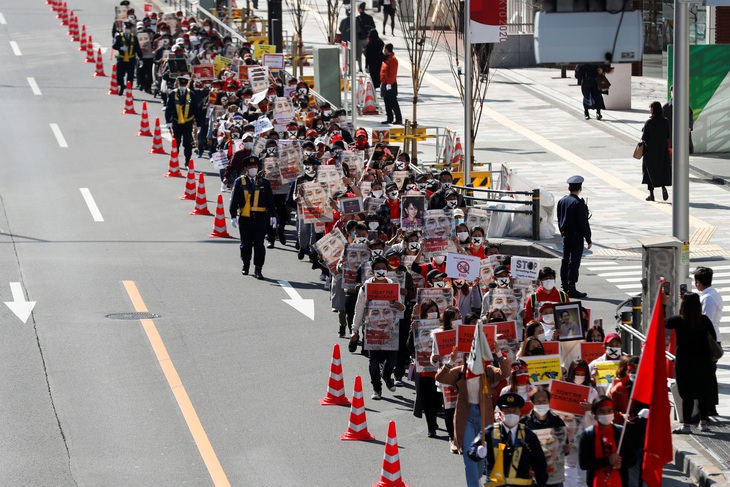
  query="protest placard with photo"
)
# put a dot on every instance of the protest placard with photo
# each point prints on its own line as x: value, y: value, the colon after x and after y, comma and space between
x: 551, y: 442
x: 398, y: 177
x: 243, y: 72
x: 120, y: 15
x: 290, y: 161
x: 462, y: 266
x: 315, y: 203
x: 412, y: 208
x: 509, y: 301
x: 486, y: 272
x: 373, y: 204
x: 350, y: 206
x: 330, y: 247
x: 566, y: 396
x: 145, y: 43
x: 543, y: 368
x: 444, y: 297
x: 590, y: 351
x: 438, y: 224
x: 365, y: 188
x: 272, y: 173
x: 177, y: 67
x: 203, y: 72
x: 423, y: 343
x: 283, y: 113
x: 381, y: 136
x: 477, y: 217
x: 330, y: 177
x: 354, y: 256
x: 381, y: 326
x: 568, y: 321
x: 354, y: 162
x: 384, y: 154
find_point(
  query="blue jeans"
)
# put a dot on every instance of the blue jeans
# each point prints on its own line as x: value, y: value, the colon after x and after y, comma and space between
x: 304, y: 235
x: 473, y: 469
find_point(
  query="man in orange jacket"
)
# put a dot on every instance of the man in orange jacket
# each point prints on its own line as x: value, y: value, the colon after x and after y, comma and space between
x: 389, y: 86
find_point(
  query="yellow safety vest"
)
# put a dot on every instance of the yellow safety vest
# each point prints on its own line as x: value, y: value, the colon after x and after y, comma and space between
x: 497, y: 477
x: 129, y: 44
x: 183, y: 115
x: 252, y: 201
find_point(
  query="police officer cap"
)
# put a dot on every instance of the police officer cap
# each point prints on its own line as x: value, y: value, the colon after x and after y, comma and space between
x: 184, y: 77
x: 251, y: 161
x: 510, y: 400
x: 575, y: 180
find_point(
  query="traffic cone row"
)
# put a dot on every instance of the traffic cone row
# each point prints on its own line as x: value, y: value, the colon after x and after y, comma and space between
x: 89, y: 50
x: 201, y: 200
x: 219, y: 225
x: 129, y: 101
x: 357, y: 429
x: 64, y: 14
x: 82, y: 39
x: 190, y: 188
x: 173, y: 167
x: 390, y: 475
x: 369, y: 107
x: 157, y: 138
x: 336, y: 386
x: 73, y: 27
x: 70, y: 25
x: 144, y: 123
x: 99, y: 65
x: 113, y: 85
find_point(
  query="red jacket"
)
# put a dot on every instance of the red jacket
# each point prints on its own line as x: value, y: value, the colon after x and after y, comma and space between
x: 389, y: 70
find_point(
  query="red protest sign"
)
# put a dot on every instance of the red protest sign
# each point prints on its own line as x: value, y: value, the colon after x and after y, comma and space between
x: 465, y: 336
x: 490, y: 331
x: 590, y: 351
x: 376, y: 291
x: 445, y: 341
x: 566, y: 396
x: 507, y: 330
x: 551, y: 348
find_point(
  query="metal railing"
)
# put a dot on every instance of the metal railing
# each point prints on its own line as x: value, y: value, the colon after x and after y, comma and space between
x: 535, y: 203
x: 626, y: 322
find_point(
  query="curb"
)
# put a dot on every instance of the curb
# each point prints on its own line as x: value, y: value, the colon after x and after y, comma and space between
x: 695, y: 466
x: 524, y: 248
x: 720, y: 180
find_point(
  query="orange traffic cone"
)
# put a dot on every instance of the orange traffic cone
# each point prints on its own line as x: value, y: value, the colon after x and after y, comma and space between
x: 201, y: 200
x: 369, y: 107
x: 390, y: 473
x: 129, y: 103
x: 456, y: 156
x: 70, y: 23
x: 357, y: 430
x: 173, y: 168
x: 113, y: 86
x: 219, y: 226
x: 82, y: 44
x: 190, y: 188
x: 99, y: 64
x: 157, y: 138
x: 90, y: 51
x: 335, y: 395
x: 144, y: 123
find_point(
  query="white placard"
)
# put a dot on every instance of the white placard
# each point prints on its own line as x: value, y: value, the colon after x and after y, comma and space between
x: 273, y: 60
x: 219, y: 160
x: 524, y: 268
x: 460, y: 266
x: 261, y: 125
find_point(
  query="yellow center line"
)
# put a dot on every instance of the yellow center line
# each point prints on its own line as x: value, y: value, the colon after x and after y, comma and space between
x: 183, y: 400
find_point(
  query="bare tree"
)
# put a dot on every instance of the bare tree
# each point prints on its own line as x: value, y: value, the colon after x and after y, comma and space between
x: 333, y: 15
x: 298, y: 10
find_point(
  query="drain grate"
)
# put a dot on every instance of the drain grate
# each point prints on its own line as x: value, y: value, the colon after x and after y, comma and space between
x: 132, y: 316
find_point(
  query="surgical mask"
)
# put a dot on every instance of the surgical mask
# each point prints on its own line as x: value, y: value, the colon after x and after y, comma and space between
x: 271, y: 150
x: 503, y: 281
x: 327, y: 113
x: 579, y: 379
x: 605, y: 419
x: 248, y: 145
x: 308, y: 153
x: 439, y: 259
x: 310, y: 171
x: 376, y: 253
x: 446, y: 185
x: 522, y: 379
x: 458, y: 284
x: 541, y: 409
x: 463, y: 236
x: 613, y: 353
x: 432, y: 316
x: 127, y: 31
x: 360, y: 240
x: 400, y: 165
x: 394, y: 262
x: 252, y: 171
x: 632, y: 377
x: 542, y: 337
x: 206, y: 28
x: 235, y: 135
x: 373, y: 225
x: 292, y: 133
x: 548, y: 318
x: 411, y: 187
x: 452, y: 203
x: 377, y: 193
x: 413, y: 246
x: 548, y: 284
x: 511, y: 420
x: 393, y: 195
x: 476, y: 240
x: 439, y: 284
x: 380, y: 273
x: 303, y: 91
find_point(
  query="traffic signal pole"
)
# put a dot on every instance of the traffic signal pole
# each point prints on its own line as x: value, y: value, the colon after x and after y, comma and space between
x: 680, y: 137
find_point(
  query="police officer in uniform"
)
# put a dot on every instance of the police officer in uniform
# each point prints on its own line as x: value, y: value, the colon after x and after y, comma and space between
x: 252, y: 210
x: 127, y: 47
x: 511, y: 449
x: 181, y: 111
x: 574, y: 227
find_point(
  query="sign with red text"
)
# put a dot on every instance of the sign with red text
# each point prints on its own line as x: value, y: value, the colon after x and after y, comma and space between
x: 566, y: 396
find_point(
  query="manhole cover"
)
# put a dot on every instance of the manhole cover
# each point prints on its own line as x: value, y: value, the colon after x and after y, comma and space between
x: 132, y: 316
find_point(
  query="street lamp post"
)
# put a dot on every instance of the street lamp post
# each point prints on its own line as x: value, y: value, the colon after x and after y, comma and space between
x: 680, y: 136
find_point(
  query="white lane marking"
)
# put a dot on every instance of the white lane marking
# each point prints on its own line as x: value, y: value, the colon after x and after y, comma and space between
x: 2, y: 19
x: 629, y: 286
x: 34, y: 86
x: 637, y: 272
x: 91, y: 204
x: 15, y: 48
x: 59, y: 136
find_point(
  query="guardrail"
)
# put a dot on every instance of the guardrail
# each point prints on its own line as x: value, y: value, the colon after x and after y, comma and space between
x: 535, y: 203
x: 626, y: 322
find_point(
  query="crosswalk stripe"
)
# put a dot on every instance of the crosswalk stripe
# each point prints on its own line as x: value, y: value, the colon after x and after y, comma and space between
x: 624, y: 279
x: 623, y: 273
x: 629, y: 286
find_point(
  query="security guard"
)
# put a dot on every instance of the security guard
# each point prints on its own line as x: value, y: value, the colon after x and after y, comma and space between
x: 181, y: 111
x: 574, y: 227
x: 252, y: 210
x: 127, y: 46
x: 511, y: 449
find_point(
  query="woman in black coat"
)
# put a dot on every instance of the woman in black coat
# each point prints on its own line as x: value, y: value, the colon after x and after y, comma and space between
x: 374, y: 56
x: 592, y: 96
x: 657, y: 165
x: 693, y: 369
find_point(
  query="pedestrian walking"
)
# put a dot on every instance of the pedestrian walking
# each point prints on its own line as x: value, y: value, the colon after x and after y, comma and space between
x: 709, y: 297
x: 668, y: 112
x: 574, y: 228
x: 252, y: 210
x: 374, y: 56
x: 694, y: 370
x: 364, y: 24
x: 656, y: 165
x: 591, y: 89
x: 128, y: 48
x: 389, y: 86
x: 388, y: 11
x: 556, y: 447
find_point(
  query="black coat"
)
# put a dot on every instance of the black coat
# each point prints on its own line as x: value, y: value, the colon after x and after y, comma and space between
x: 693, y: 369
x: 373, y: 59
x: 592, y: 97
x: 587, y: 455
x: 668, y: 112
x: 657, y: 165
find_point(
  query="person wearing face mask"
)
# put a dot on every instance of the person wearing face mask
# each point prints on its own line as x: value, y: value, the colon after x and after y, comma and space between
x: 438, y: 199
x: 390, y: 211
x: 181, y: 111
x: 462, y: 235
x: 612, y: 343
x: 128, y: 49
x: 361, y: 139
x: 512, y: 451
x: 305, y: 231
x: 500, y: 280
x: 236, y: 163
x: 478, y: 242
x: 546, y: 293
x: 519, y: 383
x: 468, y: 298
x: 252, y: 210
x: 437, y: 264
x: 599, y: 454
x: 408, y: 292
x: 574, y: 228
x: 541, y: 418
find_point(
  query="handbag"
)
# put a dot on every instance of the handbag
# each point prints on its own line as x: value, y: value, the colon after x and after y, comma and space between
x: 716, y: 351
x: 639, y: 150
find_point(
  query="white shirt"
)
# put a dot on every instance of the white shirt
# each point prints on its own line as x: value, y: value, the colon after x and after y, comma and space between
x: 473, y: 389
x: 712, y: 307
x: 512, y: 432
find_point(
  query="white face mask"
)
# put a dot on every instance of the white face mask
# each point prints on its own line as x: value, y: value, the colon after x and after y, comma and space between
x: 376, y: 253
x: 605, y: 419
x: 439, y: 284
x: 579, y: 379
x: 541, y: 409
x: 206, y: 28
x: 310, y: 171
x: 380, y: 273
x: 511, y: 420
x: 373, y: 226
x: 432, y: 316
x: 503, y: 281
x: 632, y: 377
x: 613, y: 353
x: 252, y: 171
x: 400, y: 165
x: 548, y: 284
x: 463, y: 236
x: 393, y: 195
x: 476, y: 240
x: 413, y: 246
x: 439, y: 259
x: 446, y: 185
x: 248, y: 145
x: 377, y: 193
x: 452, y: 203
x: 542, y: 337
x: 548, y: 318
x: 360, y: 240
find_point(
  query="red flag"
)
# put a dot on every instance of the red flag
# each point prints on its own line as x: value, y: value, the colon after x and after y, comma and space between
x: 651, y: 388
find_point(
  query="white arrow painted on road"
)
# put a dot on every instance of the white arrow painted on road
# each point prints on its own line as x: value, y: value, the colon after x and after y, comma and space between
x: 304, y: 306
x: 19, y: 305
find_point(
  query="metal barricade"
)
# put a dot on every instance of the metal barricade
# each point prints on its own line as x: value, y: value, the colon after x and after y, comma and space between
x: 628, y: 321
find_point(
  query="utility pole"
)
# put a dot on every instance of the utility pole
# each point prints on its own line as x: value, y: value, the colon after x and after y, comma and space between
x: 353, y: 63
x: 467, y: 94
x: 680, y: 137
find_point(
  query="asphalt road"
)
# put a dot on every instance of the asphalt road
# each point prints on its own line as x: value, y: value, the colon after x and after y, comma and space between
x: 228, y: 393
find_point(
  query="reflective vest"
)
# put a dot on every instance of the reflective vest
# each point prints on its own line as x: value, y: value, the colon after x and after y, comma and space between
x: 497, y: 478
x: 252, y: 200
x: 129, y: 54
x: 183, y: 109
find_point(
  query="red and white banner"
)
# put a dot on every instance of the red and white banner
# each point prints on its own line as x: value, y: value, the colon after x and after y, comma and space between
x: 488, y: 21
